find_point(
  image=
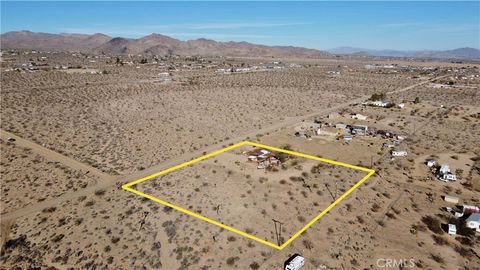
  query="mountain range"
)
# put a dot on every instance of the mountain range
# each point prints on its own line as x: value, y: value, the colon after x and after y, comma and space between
x: 460, y: 53
x: 154, y: 44
x: 157, y: 44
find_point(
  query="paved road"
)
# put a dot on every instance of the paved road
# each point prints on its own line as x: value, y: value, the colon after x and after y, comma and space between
x: 107, y: 181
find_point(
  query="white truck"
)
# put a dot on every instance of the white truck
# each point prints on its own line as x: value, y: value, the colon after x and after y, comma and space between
x: 294, y: 263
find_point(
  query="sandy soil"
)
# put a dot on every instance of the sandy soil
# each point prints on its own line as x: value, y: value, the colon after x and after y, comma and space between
x: 121, y: 126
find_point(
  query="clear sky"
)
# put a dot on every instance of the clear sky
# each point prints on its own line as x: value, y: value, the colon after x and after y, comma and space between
x: 321, y: 25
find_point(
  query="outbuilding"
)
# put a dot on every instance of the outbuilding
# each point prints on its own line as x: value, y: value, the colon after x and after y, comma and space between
x: 295, y: 262
x: 451, y: 199
x: 452, y: 229
x: 430, y: 163
x: 473, y: 222
x: 399, y: 153
x: 359, y: 116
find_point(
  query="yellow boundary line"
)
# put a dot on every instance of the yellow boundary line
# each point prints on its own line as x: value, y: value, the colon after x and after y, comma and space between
x: 315, y: 219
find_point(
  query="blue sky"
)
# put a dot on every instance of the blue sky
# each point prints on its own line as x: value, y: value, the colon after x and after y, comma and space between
x: 321, y: 25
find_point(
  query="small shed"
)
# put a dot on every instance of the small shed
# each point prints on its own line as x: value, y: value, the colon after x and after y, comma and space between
x: 430, y: 163
x: 451, y: 199
x: 341, y: 126
x: 359, y: 116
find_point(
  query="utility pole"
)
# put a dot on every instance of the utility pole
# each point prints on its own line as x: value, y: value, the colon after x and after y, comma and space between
x: 329, y: 191
x: 278, y: 232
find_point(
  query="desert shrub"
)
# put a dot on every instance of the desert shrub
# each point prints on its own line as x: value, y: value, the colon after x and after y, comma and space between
x: 231, y: 260
x: 462, y: 229
x: 307, y: 243
x: 439, y: 240
x: 57, y: 238
x: 254, y: 266
x: 433, y: 224
x: 375, y: 207
x: 437, y: 258
x: 49, y: 210
x: 360, y: 220
x: 466, y: 253
x: 100, y: 192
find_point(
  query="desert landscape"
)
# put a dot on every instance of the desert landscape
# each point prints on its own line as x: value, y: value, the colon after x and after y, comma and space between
x: 70, y: 140
x: 202, y: 148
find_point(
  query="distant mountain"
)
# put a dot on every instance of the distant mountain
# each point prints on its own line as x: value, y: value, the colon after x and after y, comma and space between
x: 151, y: 44
x: 460, y: 53
x: 45, y: 41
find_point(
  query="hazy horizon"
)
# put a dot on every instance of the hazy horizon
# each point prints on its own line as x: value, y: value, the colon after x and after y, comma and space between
x: 404, y: 26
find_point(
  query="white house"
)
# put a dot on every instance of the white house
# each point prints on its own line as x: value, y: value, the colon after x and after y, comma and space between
x: 445, y: 175
x: 359, y: 116
x: 360, y: 128
x: 401, y: 105
x: 399, y: 153
x: 473, y: 221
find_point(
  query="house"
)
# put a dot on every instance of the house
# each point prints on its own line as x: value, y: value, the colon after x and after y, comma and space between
x: 445, y: 175
x: 361, y: 129
x: 359, y: 116
x: 473, y: 222
x: 263, y: 157
x: 401, y: 105
x: 451, y: 199
x: 395, y: 153
x: 430, y: 163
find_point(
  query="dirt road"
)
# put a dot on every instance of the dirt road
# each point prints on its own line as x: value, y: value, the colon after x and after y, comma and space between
x: 106, y: 181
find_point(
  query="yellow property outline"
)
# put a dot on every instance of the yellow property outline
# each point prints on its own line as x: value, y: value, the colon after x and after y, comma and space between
x: 315, y: 219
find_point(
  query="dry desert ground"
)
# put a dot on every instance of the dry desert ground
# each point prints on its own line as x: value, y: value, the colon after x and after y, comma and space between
x: 76, y: 127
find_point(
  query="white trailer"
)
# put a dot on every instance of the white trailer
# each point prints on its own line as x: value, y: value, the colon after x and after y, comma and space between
x: 399, y: 153
x: 452, y: 229
x: 451, y: 199
x: 296, y: 263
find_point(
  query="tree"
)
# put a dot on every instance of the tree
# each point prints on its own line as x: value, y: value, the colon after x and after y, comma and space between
x: 417, y: 100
